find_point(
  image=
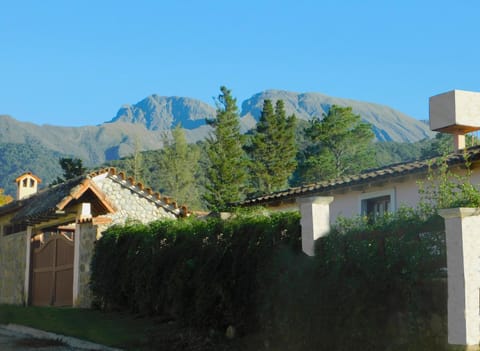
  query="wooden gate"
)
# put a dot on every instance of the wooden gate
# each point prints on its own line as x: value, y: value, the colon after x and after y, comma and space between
x: 52, y: 272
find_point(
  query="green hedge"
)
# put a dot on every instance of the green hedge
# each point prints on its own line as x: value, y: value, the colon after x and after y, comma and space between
x: 370, y: 287
x: 203, y: 273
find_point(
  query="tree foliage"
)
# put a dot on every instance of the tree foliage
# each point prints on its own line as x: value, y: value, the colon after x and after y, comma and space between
x: 444, y: 188
x: 72, y: 167
x: 136, y: 162
x: 178, y: 165
x: 442, y: 144
x: 273, y: 149
x: 226, y: 171
x: 16, y: 159
x: 340, y: 144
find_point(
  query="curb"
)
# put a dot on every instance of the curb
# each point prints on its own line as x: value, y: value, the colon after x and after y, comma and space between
x: 70, y: 341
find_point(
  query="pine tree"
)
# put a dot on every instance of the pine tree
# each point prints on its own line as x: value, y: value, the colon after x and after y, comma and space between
x: 178, y: 164
x: 273, y: 149
x: 72, y: 167
x: 341, y: 145
x: 226, y: 173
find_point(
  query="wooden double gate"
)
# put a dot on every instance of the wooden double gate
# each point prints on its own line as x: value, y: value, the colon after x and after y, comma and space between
x: 51, y: 281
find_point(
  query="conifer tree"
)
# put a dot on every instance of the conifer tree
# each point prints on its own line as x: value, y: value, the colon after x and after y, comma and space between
x: 178, y: 164
x: 273, y: 149
x: 226, y: 175
x: 72, y: 167
x: 341, y: 144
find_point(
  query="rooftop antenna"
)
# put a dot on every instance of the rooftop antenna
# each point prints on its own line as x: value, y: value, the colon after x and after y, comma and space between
x: 455, y: 112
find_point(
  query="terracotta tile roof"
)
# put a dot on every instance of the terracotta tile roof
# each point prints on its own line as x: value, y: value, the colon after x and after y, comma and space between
x: 42, y: 204
x: 50, y: 202
x: 367, y: 177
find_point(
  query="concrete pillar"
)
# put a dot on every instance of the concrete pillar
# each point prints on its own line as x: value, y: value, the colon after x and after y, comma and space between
x: 463, y: 264
x: 458, y: 142
x: 315, y: 212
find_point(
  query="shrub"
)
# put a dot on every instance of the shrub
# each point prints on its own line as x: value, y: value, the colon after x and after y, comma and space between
x: 203, y: 273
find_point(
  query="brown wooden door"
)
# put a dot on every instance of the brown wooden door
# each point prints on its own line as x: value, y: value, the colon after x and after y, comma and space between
x: 52, y: 272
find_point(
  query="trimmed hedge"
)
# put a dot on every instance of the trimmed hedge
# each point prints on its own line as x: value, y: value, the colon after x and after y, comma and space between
x: 370, y: 287
x: 202, y: 273
x: 378, y: 286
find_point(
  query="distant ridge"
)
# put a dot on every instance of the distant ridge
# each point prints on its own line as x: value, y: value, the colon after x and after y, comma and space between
x: 163, y: 113
x: 388, y: 124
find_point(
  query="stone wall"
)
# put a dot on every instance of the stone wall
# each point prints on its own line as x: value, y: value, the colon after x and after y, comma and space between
x: 12, y: 268
x: 130, y: 203
x: 84, y: 248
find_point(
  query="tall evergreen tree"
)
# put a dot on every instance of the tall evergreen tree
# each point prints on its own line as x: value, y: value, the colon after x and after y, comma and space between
x: 273, y: 149
x: 341, y: 145
x: 178, y: 164
x: 226, y: 173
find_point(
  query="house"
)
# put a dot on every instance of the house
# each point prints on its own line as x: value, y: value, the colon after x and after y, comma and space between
x: 372, y: 192
x: 386, y: 189
x: 47, y: 236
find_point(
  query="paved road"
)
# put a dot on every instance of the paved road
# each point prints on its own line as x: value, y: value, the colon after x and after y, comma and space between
x: 12, y: 341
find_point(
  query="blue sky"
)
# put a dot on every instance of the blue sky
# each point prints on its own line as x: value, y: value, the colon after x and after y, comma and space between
x: 76, y: 62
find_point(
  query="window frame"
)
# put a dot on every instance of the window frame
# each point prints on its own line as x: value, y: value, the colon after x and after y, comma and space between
x: 375, y: 194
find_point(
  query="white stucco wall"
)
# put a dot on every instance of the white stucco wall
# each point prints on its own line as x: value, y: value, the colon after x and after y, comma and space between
x: 405, y: 191
x: 348, y: 204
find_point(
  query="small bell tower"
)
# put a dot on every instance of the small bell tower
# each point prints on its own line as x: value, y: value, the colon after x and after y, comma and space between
x: 455, y: 112
x: 27, y: 185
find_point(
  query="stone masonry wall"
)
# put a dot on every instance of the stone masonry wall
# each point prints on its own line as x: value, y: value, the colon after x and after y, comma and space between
x: 130, y: 204
x: 12, y: 268
x: 86, y: 237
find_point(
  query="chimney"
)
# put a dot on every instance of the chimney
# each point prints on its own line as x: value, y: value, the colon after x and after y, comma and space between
x: 27, y: 185
x: 455, y: 112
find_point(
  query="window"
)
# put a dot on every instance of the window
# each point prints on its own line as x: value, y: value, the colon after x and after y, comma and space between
x: 376, y: 204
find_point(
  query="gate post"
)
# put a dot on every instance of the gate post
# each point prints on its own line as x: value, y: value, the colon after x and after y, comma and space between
x: 315, y: 221
x: 26, y: 289
x: 463, y: 265
x: 85, y: 236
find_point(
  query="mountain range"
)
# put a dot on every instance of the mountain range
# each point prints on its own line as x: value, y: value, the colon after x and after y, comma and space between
x: 144, y: 126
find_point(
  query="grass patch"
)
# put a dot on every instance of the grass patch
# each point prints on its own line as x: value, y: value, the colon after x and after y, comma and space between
x: 111, y: 329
